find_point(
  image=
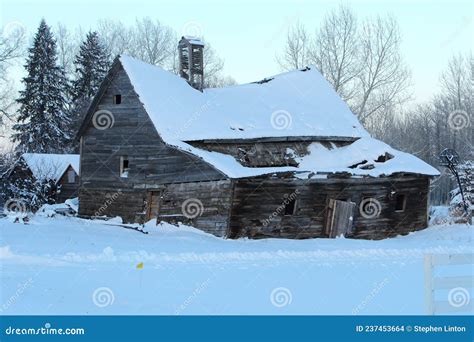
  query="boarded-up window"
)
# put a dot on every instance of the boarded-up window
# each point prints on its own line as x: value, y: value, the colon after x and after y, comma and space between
x: 400, y: 201
x: 71, y: 176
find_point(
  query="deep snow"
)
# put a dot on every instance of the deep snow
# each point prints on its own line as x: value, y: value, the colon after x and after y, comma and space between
x: 66, y: 265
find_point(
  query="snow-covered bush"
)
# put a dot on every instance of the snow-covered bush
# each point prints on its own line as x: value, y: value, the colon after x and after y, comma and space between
x: 466, y: 177
x: 31, y: 191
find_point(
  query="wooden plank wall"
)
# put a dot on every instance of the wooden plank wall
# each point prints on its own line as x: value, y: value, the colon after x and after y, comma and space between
x: 133, y: 135
x: 130, y: 205
x: 212, y: 200
x: 256, y: 201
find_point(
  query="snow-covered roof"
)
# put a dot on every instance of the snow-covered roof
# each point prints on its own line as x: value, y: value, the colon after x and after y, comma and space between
x: 358, y: 159
x: 299, y: 103
x: 296, y: 103
x: 50, y: 166
x: 194, y: 40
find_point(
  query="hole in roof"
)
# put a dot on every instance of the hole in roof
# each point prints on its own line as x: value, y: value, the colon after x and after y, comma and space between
x: 357, y: 164
x: 265, y: 80
x: 305, y: 69
x: 384, y: 157
x: 367, y: 167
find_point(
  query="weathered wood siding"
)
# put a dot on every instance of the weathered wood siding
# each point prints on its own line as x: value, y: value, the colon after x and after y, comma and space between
x: 255, y: 211
x: 130, y: 205
x: 151, y: 161
x: 205, y: 205
x: 68, y: 190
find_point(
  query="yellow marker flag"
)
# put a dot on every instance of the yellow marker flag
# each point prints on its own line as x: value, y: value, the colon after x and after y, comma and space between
x: 140, y: 266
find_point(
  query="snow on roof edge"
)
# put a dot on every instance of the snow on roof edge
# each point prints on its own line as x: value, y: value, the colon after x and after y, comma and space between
x: 50, y: 165
x: 319, y: 161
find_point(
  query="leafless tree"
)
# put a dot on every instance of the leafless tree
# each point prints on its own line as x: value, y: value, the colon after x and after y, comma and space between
x: 116, y: 36
x: 384, y: 78
x: 335, y: 50
x: 11, y: 48
x: 67, y: 44
x: 362, y: 62
x: 155, y: 43
x: 213, y: 69
x: 152, y: 42
x: 296, y: 51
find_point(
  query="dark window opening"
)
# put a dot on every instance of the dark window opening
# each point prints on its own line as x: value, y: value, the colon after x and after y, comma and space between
x: 117, y: 99
x: 400, y: 201
x: 124, y: 166
x: 290, y: 207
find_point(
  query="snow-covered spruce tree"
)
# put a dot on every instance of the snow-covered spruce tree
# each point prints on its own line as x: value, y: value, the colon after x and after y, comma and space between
x: 43, y: 126
x: 31, y: 191
x: 91, y: 63
x: 466, y: 177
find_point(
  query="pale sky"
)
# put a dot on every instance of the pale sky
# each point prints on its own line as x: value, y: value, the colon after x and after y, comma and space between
x: 247, y: 34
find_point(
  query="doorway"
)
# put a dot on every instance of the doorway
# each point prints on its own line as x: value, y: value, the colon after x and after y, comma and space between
x: 153, y: 207
x: 339, y: 217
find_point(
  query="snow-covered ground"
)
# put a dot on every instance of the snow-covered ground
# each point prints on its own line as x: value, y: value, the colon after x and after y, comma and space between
x: 67, y: 265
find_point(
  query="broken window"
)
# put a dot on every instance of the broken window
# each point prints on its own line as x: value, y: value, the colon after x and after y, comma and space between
x: 124, y: 167
x: 117, y: 99
x: 290, y: 207
x: 400, y: 201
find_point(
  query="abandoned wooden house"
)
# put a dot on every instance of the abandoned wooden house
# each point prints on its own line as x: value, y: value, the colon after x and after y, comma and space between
x: 282, y: 157
x: 61, y: 169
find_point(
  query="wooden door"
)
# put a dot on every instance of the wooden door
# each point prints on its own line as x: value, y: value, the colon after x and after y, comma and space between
x: 153, y: 204
x: 339, y: 217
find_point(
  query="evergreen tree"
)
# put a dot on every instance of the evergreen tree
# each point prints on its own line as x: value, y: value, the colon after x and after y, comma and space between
x: 43, y: 125
x: 92, y: 63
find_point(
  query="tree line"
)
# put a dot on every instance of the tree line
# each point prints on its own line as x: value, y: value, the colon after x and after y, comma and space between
x: 362, y: 60
x: 64, y: 71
